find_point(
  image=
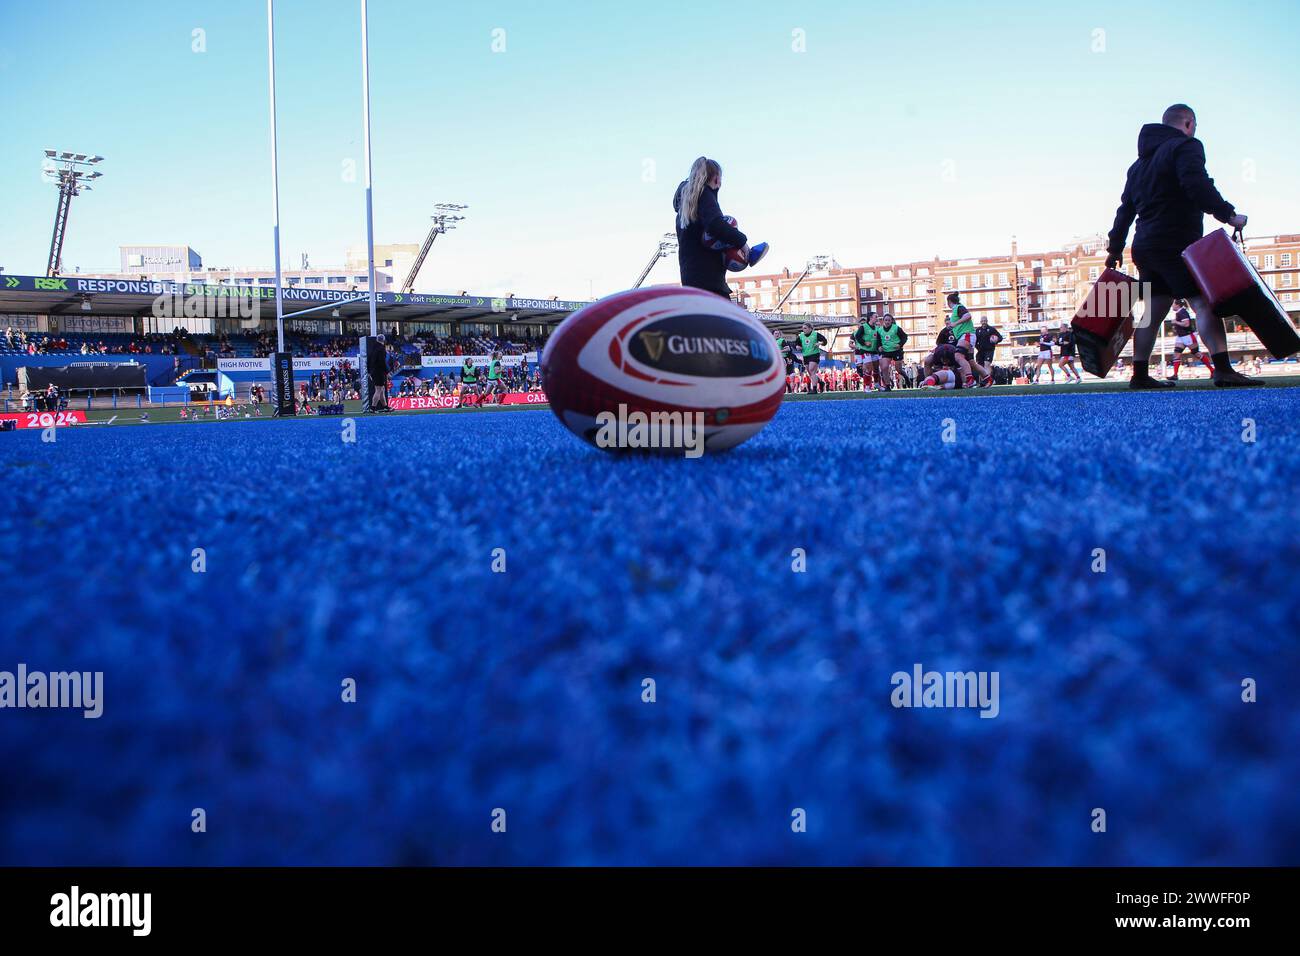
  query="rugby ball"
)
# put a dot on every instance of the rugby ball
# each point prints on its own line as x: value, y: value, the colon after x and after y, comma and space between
x: 733, y: 257
x: 683, y: 366
x: 735, y: 260
x: 717, y: 245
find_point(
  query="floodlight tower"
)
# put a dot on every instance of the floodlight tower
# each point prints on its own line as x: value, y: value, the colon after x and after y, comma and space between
x: 73, y: 174
x: 444, y: 221
x: 667, y: 246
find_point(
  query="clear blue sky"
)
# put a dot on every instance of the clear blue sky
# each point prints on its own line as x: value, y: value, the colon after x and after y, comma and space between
x: 902, y: 131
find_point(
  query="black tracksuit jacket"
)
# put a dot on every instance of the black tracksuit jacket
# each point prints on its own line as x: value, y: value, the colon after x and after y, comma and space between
x: 1168, y: 191
x: 702, y: 267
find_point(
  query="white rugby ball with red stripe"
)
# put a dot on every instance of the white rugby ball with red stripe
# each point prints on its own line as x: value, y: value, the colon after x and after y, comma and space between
x: 664, y: 350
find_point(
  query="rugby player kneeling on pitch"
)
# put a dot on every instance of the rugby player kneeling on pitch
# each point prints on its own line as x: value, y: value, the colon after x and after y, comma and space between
x: 946, y: 357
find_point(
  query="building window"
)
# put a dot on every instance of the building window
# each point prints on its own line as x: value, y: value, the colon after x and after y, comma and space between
x: 1286, y: 260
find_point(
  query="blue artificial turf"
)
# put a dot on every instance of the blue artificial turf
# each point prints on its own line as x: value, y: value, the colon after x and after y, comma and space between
x: 522, y: 690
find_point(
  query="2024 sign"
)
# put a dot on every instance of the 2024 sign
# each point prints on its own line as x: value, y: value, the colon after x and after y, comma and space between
x: 47, y: 419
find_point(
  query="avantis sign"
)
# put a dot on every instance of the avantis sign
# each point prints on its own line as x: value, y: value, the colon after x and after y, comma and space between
x: 456, y: 361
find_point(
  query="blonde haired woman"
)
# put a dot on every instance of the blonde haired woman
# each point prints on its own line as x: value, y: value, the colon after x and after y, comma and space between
x: 696, y: 205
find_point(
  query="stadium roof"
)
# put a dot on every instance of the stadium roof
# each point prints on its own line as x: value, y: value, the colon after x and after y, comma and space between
x: 75, y: 295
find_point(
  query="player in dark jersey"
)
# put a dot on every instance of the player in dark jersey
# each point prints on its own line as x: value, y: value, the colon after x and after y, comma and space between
x: 950, y: 359
x: 1065, y: 342
x: 1185, y: 337
x: 986, y: 342
x: 1044, y: 356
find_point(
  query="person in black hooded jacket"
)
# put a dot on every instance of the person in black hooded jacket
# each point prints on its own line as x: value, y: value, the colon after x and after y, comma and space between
x: 696, y: 205
x: 1169, y: 192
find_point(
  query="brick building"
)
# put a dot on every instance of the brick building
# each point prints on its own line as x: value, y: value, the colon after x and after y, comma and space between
x: 1019, y: 293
